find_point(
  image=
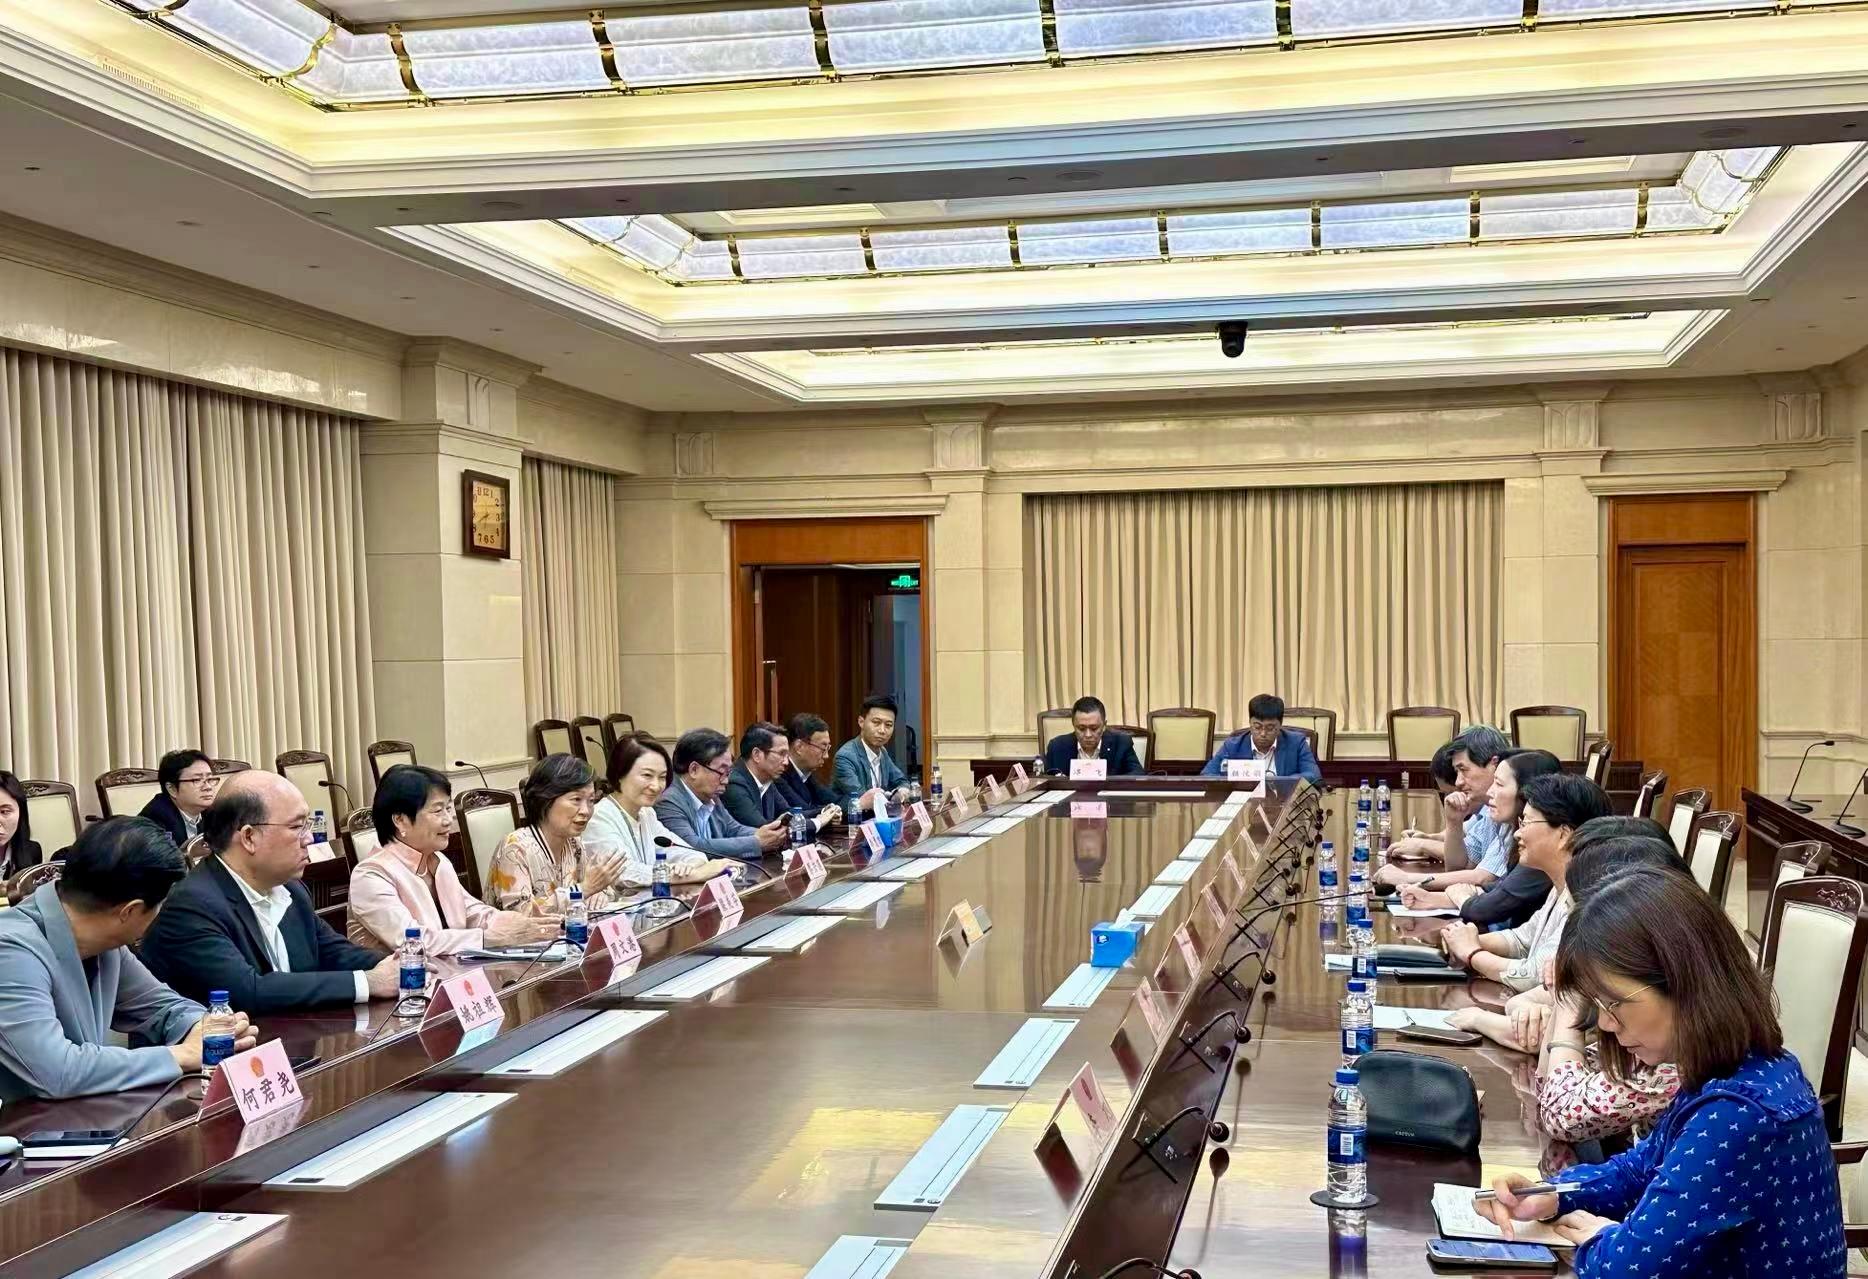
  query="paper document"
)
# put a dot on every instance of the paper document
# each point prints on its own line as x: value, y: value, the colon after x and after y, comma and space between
x: 1399, y: 911
x: 1389, y: 1018
x: 1452, y: 1205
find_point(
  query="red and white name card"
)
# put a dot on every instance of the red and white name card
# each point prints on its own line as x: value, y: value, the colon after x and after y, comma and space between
x: 1245, y: 770
x: 920, y: 813
x: 807, y: 859
x: 1018, y: 771
x: 960, y: 808
x: 873, y: 838
x: 1215, y: 913
x: 1090, y: 1101
x: 471, y: 997
x: 260, y: 1080
x: 1089, y: 770
x: 1152, y: 1010
x: 719, y: 894
x: 1088, y: 808
x: 1230, y: 865
x: 613, y: 937
x: 994, y: 791
x: 1183, y: 938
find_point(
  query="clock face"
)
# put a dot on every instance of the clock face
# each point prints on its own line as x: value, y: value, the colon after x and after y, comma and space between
x: 489, y: 517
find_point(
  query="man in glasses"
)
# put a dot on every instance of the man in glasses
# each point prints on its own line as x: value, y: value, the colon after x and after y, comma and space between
x: 188, y: 787
x: 243, y: 923
x: 691, y: 810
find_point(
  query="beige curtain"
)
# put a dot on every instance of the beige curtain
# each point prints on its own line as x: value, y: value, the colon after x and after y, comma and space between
x: 177, y: 567
x: 573, y: 638
x: 1352, y: 599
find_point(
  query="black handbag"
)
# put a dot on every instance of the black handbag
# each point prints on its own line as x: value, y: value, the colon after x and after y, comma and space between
x: 1416, y: 1099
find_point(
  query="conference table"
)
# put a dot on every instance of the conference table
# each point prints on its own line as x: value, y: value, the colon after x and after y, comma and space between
x: 889, y: 1092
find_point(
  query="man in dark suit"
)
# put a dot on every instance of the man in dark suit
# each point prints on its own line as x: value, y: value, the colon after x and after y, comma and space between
x: 1091, y: 738
x: 810, y: 747
x: 241, y: 922
x: 188, y: 785
x: 751, y: 795
x: 1287, y: 750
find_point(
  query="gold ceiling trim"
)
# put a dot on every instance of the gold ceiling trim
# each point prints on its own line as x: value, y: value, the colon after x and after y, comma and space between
x: 311, y: 58
x: 606, y: 52
x: 820, y: 39
x: 869, y: 253
x: 1161, y: 236
x: 404, y: 65
x: 732, y: 256
x: 1640, y: 209
x: 1472, y: 218
x: 1529, y: 19
x: 1011, y: 237
x: 1047, y: 26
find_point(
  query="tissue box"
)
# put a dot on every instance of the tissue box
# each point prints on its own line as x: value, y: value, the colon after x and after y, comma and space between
x: 1111, y: 945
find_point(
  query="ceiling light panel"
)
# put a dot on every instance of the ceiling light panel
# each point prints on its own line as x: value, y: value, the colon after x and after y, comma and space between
x: 1199, y: 235
x: 868, y: 36
x: 1102, y: 240
x: 791, y: 256
x: 1331, y: 19
x: 1395, y: 225
x: 1573, y: 10
x: 273, y: 36
x: 701, y: 47
x: 1088, y: 28
x: 534, y: 57
x: 1558, y: 214
x: 943, y: 249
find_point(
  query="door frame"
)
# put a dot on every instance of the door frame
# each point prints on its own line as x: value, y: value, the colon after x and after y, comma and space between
x: 861, y: 541
x: 1688, y: 520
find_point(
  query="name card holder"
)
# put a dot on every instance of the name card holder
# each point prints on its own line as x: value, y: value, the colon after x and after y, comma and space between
x: 994, y: 791
x: 1089, y: 770
x: 1086, y: 1093
x: 1246, y: 770
x: 961, y: 809
x: 613, y: 942
x: 1019, y: 773
x: 808, y: 859
x: 873, y: 838
x: 966, y: 926
x: 1154, y: 1012
x: 469, y: 998
x: 719, y: 894
x: 1230, y: 865
x: 260, y: 1081
x: 919, y: 811
x: 1189, y: 951
x: 1215, y: 913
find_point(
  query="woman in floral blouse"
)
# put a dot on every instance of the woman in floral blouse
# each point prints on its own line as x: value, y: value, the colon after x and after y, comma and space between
x: 535, y: 866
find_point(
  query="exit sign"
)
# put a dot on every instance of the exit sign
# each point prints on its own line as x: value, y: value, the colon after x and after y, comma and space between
x: 904, y: 582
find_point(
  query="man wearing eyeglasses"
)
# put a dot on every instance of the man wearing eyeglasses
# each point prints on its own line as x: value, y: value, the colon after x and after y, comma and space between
x: 692, y: 813
x: 243, y: 923
x: 188, y: 787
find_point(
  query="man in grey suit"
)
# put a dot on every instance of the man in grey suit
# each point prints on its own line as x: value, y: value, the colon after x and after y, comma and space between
x: 690, y: 808
x: 67, y: 977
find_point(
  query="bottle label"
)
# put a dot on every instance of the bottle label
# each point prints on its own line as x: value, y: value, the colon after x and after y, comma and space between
x: 1364, y: 1040
x: 1362, y: 967
x: 215, y: 1049
x: 577, y: 932
x: 414, y: 978
x: 1352, y: 1042
x: 1347, y: 1145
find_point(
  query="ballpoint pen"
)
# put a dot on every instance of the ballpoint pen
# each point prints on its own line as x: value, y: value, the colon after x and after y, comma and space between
x: 1535, y: 1188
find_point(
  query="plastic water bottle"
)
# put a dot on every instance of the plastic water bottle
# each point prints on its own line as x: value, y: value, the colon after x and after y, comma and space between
x: 1349, y: 1135
x: 217, y: 1041
x: 320, y: 830
x: 1326, y: 877
x: 1384, y: 812
x: 1362, y: 948
x: 660, y: 881
x: 936, y: 789
x: 577, y: 919
x: 800, y: 829
x: 914, y: 790
x: 1037, y: 766
x: 1365, y: 801
x: 1360, y: 873
x: 412, y: 971
x: 1358, y: 1022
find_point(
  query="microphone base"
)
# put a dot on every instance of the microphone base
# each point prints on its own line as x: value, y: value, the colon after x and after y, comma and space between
x: 1798, y: 806
x: 1847, y: 829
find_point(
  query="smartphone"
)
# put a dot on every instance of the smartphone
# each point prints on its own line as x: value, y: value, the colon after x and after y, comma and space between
x: 69, y: 1143
x: 1490, y: 1255
x: 1435, y: 1035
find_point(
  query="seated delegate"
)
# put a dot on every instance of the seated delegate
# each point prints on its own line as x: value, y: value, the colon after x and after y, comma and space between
x: 1737, y: 1178
x: 68, y: 976
x: 751, y: 793
x: 691, y: 807
x: 17, y: 849
x: 810, y: 747
x: 1286, y: 750
x: 1515, y: 896
x: 865, y: 771
x: 408, y: 882
x: 243, y: 923
x: 188, y: 787
x: 624, y: 823
x: 536, y: 866
x: 1473, y: 846
x: 1090, y: 737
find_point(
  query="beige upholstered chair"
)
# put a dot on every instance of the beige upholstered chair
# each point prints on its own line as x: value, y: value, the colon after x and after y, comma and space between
x: 615, y: 724
x: 1142, y: 740
x: 1319, y: 723
x: 1653, y: 785
x: 1819, y: 933
x: 1714, y: 836
x: 1416, y: 732
x: 122, y: 792
x: 1596, y: 762
x: 224, y: 768
x: 1181, y: 736
x: 587, y: 732
x: 552, y: 737
x: 309, y: 771
x: 1557, y: 729
x: 357, y: 836
x: 1797, y: 860
x: 485, y: 817
x: 52, y: 809
x: 1687, y: 806
x: 386, y: 754
x: 1051, y: 724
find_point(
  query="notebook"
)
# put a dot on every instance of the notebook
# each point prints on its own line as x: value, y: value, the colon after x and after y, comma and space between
x: 1452, y: 1207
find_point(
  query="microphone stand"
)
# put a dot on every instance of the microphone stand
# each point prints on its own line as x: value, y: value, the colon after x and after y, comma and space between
x: 1843, y: 826
x: 1798, y: 804
x: 461, y: 763
x: 339, y: 787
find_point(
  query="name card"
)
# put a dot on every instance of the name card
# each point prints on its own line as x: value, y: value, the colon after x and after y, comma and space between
x: 1215, y: 913
x: 471, y: 997
x: 614, y: 937
x: 1088, y: 808
x: 994, y: 791
x: 1091, y: 1103
x: 720, y: 894
x: 960, y: 807
x: 807, y: 859
x: 920, y: 813
x: 1183, y: 939
x: 1153, y: 1012
x: 964, y: 919
x: 873, y: 838
x: 1089, y: 770
x: 260, y: 1080
x: 1246, y: 770
x: 1230, y: 865
x: 1018, y: 771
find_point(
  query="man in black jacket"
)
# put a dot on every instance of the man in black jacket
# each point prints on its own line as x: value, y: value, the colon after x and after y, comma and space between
x: 750, y: 795
x: 1092, y: 738
x: 188, y: 784
x: 810, y: 747
x: 241, y: 922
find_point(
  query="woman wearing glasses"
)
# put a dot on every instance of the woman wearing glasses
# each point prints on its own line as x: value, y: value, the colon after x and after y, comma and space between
x: 535, y: 867
x: 1736, y: 1179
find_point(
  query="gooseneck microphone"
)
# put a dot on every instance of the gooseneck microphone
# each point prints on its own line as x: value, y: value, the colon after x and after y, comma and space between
x: 328, y: 784
x: 1843, y: 826
x: 1223, y: 976
x: 1797, y: 804
x: 461, y: 763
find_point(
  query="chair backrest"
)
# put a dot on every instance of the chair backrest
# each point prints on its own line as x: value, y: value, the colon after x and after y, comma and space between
x: 1143, y: 739
x: 1596, y: 762
x: 386, y: 754
x: 52, y: 809
x: 615, y: 724
x: 309, y: 770
x: 1310, y: 735
x: 1181, y: 734
x: 485, y: 817
x: 22, y: 885
x: 1687, y: 806
x: 194, y: 851
x: 1796, y: 860
x: 588, y: 731
x: 1714, y: 836
x: 552, y: 737
x: 227, y: 767
x: 1557, y: 729
x: 1319, y: 723
x: 357, y: 836
x: 123, y: 791
x: 1052, y: 723
x: 1652, y: 785
x: 1416, y: 732
x: 1818, y: 934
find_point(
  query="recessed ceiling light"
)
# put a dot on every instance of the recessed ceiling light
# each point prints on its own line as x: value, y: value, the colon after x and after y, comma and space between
x: 1080, y: 175
x: 499, y: 330
x: 1780, y: 348
x: 403, y: 208
x: 186, y: 222
x: 1724, y: 133
x: 504, y: 206
x: 1848, y: 297
x: 311, y: 266
x: 406, y: 297
x: 1322, y: 159
x: 622, y: 199
x: 1018, y: 177
x: 32, y: 168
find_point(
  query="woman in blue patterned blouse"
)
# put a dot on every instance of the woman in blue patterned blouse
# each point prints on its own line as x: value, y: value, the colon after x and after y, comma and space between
x: 1736, y: 1178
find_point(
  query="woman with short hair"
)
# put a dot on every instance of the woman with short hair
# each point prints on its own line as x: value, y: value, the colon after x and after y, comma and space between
x: 624, y: 822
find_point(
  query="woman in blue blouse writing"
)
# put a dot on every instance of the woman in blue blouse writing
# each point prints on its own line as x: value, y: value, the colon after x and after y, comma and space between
x: 1736, y: 1178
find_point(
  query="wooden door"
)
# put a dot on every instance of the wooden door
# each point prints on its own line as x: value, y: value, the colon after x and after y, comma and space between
x: 1683, y: 664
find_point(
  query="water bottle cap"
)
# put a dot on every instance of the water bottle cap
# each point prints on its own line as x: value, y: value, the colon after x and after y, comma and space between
x: 1357, y: 986
x: 577, y: 894
x: 217, y: 996
x: 661, y: 854
x: 1346, y: 1077
x: 796, y: 811
x: 413, y: 934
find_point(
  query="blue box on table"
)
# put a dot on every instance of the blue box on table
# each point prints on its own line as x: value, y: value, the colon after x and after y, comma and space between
x: 1111, y: 945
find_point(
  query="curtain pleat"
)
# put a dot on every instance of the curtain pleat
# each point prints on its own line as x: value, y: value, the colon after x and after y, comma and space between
x: 1353, y: 599
x: 573, y: 635
x: 178, y: 567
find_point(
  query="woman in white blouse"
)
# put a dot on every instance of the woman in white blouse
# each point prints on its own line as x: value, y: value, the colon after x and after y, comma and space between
x: 624, y: 822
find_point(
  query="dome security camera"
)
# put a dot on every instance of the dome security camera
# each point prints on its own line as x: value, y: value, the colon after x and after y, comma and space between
x: 1232, y: 338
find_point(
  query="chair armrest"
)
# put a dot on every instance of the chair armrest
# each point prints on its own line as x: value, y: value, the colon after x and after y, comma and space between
x: 1848, y: 1152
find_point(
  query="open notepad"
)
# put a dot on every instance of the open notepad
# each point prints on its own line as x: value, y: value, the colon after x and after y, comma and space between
x: 1452, y: 1207
x: 1388, y: 1017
